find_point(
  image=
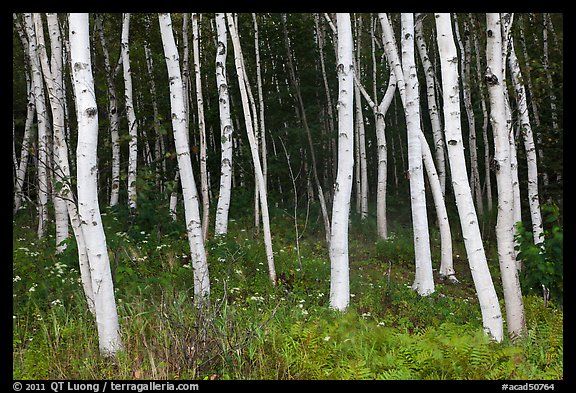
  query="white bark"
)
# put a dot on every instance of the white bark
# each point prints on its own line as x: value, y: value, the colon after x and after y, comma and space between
x: 52, y: 72
x: 546, y: 65
x: 226, y: 128
x: 487, y: 297
x: 260, y: 104
x: 28, y: 134
x: 423, y: 281
x: 189, y: 194
x: 253, y: 148
x: 41, y: 118
x: 112, y: 113
x: 89, y: 211
x: 201, y: 126
x: 382, y: 175
x: 505, y: 220
x: 439, y: 147
x: 487, y: 176
x: 340, y: 272
x: 130, y: 113
x: 535, y: 111
x: 529, y: 146
x: 466, y: 54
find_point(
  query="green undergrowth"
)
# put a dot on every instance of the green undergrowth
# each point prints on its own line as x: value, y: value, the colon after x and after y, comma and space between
x: 253, y: 330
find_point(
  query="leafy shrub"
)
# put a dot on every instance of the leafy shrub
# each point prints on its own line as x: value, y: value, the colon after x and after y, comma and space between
x: 542, y: 262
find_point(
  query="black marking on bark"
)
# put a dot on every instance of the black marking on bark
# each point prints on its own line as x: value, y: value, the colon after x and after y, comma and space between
x: 91, y: 112
x: 452, y: 142
x: 490, y: 78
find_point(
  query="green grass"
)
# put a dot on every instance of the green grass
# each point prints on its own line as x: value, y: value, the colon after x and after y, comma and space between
x: 255, y: 331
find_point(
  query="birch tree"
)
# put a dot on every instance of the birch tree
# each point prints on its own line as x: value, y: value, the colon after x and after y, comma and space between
x: 439, y: 148
x: 487, y: 297
x: 22, y: 165
x: 226, y: 128
x: 529, y: 146
x: 112, y: 111
x: 423, y: 281
x: 465, y: 61
x: 87, y: 190
x: 52, y: 72
x: 41, y: 120
x: 189, y: 193
x: 479, y: 78
x: 380, y: 125
x: 238, y: 60
x: 505, y: 220
x: 130, y: 113
x: 201, y: 126
x: 339, y: 270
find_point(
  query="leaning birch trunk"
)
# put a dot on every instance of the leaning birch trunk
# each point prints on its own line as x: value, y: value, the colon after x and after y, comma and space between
x: 129, y: 104
x: 505, y: 220
x: 201, y: 126
x: 340, y: 271
x: 529, y: 146
x: 189, y: 194
x: 226, y: 128
x: 487, y: 297
x: 362, y: 152
x: 28, y: 134
x: 110, y: 341
x: 439, y: 148
x: 393, y: 58
x: 54, y: 82
x: 467, y: 96
x: 380, y: 125
x: 253, y: 148
x: 53, y: 74
x: 112, y: 113
x: 423, y: 281
x: 41, y: 118
x: 487, y: 177
x: 260, y: 104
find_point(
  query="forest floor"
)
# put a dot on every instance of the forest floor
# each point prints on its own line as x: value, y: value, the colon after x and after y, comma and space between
x: 253, y: 330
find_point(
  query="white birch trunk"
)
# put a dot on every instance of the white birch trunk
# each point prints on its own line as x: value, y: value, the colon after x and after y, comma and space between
x: 24, y: 150
x: 529, y: 146
x: 382, y: 175
x: 52, y: 72
x: 505, y: 221
x: 439, y: 147
x: 226, y: 128
x: 113, y: 115
x: 201, y: 126
x: 340, y: 271
x: 89, y: 211
x: 487, y: 297
x: 423, y: 281
x: 41, y: 118
x: 253, y: 148
x: 362, y: 152
x: 467, y: 96
x: 487, y: 176
x: 130, y: 113
x: 189, y: 194
x: 260, y: 104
